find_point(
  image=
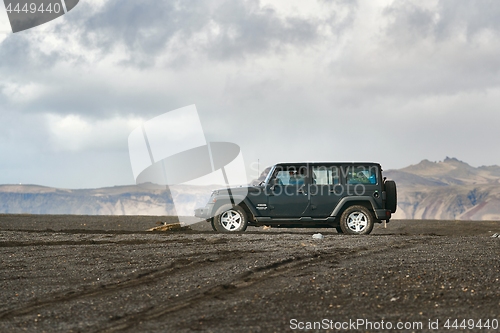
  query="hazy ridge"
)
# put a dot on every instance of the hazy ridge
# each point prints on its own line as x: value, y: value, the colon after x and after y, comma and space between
x: 449, y: 189
x: 143, y: 199
x: 119, y: 200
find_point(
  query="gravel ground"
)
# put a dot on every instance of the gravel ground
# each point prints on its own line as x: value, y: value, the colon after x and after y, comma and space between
x: 106, y: 274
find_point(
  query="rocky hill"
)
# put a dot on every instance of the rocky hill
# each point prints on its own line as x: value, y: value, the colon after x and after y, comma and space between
x: 144, y: 199
x: 447, y: 190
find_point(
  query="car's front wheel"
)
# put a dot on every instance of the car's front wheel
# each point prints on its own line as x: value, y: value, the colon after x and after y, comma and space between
x: 229, y: 218
x: 356, y: 220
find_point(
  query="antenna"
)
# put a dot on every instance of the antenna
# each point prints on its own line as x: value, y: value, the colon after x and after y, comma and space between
x: 258, y: 168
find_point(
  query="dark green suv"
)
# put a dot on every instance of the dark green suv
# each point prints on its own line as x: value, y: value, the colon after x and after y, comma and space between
x: 350, y: 197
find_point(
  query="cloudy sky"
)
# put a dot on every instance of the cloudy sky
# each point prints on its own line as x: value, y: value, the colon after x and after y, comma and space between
x: 388, y: 81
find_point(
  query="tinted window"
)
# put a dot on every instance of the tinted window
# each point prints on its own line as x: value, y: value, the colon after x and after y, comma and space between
x: 323, y: 175
x: 362, y: 174
x: 290, y: 175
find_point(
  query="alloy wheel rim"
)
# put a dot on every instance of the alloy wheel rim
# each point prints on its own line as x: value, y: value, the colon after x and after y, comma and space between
x: 357, y: 221
x: 231, y: 220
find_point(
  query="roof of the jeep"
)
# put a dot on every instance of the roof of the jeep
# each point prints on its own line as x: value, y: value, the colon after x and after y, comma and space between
x: 326, y: 162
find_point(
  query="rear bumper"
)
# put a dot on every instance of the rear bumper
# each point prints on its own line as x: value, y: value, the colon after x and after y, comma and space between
x: 383, y: 214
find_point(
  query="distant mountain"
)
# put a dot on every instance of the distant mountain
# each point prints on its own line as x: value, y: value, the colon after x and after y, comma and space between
x: 144, y: 199
x: 450, y: 189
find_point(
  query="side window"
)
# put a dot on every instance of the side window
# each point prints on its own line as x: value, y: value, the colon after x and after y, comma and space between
x: 282, y: 177
x: 323, y: 175
x: 362, y: 175
x: 291, y: 175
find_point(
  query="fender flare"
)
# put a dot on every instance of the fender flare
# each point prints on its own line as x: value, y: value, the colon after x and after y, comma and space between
x: 346, y: 200
x: 238, y: 200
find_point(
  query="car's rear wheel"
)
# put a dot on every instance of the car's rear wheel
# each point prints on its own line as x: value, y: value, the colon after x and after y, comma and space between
x: 229, y: 218
x: 356, y: 220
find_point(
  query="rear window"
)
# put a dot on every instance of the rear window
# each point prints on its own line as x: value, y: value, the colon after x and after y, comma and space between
x: 361, y: 174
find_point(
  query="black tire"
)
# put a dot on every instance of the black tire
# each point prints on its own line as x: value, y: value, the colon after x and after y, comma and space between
x: 392, y: 195
x: 356, y: 220
x: 212, y: 220
x: 229, y: 218
x: 339, y: 230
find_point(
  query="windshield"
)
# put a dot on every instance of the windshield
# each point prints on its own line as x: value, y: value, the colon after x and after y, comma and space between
x: 262, y: 176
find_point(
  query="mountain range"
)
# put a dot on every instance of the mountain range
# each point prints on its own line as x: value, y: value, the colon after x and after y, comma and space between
x: 448, y: 190
x: 143, y: 199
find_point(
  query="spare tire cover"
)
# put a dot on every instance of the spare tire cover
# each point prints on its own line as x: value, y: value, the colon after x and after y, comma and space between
x: 392, y: 196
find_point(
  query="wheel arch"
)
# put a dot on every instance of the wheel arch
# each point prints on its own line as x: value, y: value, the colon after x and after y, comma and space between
x: 230, y: 218
x: 237, y: 201
x: 357, y: 220
x: 354, y: 201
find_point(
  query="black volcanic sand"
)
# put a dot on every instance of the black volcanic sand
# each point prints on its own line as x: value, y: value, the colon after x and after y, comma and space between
x: 137, y: 224
x: 106, y: 274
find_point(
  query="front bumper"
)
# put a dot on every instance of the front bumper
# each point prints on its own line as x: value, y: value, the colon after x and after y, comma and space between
x: 205, y: 212
x: 199, y: 212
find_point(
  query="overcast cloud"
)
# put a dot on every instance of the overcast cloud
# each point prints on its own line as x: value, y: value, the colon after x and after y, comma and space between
x: 388, y: 81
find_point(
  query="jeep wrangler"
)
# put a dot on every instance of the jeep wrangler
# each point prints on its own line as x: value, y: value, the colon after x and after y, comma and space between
x: 349, y: 197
